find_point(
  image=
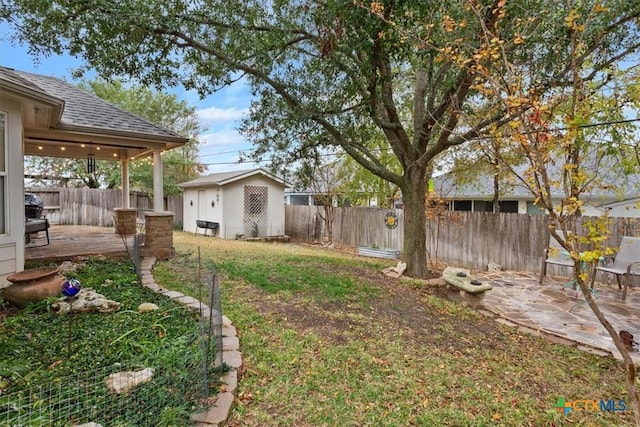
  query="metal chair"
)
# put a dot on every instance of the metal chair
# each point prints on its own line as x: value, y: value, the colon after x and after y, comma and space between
x: 555, y: 254
x: 626, y: 263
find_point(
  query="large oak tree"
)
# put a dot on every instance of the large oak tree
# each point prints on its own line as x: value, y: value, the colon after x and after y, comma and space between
x: 323, y: 71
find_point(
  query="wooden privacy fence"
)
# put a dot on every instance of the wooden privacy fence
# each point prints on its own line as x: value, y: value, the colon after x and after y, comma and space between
x: 469, y: 239
x: 94, y: 206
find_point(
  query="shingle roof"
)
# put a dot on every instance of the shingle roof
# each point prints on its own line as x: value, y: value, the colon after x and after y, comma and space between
x: 83, y: 109
x: 223, y: 178
x: 621, y: 185
x: 11, y: 76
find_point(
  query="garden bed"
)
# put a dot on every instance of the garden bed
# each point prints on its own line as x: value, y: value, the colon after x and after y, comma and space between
x: 53, y: 368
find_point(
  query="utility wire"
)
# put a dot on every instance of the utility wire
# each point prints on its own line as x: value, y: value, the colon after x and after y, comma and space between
x: 584, y: 126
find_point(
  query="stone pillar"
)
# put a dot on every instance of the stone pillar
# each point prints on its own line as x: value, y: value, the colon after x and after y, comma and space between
x: 158, y: 235
x: 125, y: 220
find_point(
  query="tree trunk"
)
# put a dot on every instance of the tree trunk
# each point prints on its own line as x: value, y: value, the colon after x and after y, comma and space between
x: 630, y: 377
x: 496, y: 193
x: 415, y: 232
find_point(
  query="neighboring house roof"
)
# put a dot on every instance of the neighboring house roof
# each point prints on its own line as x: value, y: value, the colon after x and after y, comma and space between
x: 83, y: 110
x: 621, y: 186
x: 224, y: 178
x: 624, y: 202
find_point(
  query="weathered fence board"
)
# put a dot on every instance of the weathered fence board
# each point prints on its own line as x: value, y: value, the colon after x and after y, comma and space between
x: 468, y: 239
x: 91, y: 206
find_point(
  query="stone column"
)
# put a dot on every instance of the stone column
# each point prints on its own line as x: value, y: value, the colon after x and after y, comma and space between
x: 158, y: 235
x: 125, y: 220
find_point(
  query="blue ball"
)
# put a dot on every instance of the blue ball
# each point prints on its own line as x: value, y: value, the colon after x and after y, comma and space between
x: 71, y: 287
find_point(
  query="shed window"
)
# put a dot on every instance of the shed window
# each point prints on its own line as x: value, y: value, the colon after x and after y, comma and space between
x: 256, y: 198
x: 256, y: 202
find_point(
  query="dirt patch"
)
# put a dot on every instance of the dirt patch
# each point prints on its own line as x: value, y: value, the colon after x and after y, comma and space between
x: 395, y: 306
x: 7, y: 310
x: 419, y: 311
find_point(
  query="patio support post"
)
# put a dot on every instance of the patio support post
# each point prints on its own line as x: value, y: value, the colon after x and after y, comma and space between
x: 158, y: 194
x: 124, y: 166
x: 125, y: 217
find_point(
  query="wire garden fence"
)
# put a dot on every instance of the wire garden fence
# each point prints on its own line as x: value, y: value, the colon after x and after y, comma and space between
x: 137, y: 395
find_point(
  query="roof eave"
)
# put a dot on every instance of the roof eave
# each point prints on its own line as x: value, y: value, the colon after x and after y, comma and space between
x: 56, y: 104
x: 175, y: 140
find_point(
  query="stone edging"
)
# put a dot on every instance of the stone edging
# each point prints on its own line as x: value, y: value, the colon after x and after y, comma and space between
x: 218, y: 413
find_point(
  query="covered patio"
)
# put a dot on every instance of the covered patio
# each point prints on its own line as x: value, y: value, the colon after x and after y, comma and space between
x: 68, y: 242
x: 46, y: 116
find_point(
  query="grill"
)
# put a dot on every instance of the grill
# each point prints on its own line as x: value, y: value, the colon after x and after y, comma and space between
x: 33, y: 206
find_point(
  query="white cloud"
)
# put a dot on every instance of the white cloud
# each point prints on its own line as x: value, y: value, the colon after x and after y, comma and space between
x: 221, y: 115
x: 222, y: 138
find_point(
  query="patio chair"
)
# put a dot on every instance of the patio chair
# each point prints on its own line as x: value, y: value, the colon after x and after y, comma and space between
x: 626, y: 263
x: 33, y: 226
x: 554, y: 254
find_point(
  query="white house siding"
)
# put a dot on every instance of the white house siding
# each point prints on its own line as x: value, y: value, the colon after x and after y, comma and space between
x: 628, y: 208
x: 12, y: 242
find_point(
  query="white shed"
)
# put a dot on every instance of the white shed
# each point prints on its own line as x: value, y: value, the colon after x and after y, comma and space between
x: 248, y: 203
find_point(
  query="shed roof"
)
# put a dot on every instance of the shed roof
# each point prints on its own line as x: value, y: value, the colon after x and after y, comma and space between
x: 223, y: 178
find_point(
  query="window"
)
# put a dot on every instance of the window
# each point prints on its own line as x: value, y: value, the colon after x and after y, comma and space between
x: 299, y: 199
x: 509, y: 206
x: 533, y: 209
x: 255, y: 199
x: 3, y: 172
x: 482, y: 206
x: 462, y: 205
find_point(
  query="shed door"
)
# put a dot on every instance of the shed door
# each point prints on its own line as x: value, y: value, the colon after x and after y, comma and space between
x: 202, y: 204
x: 256, y: 198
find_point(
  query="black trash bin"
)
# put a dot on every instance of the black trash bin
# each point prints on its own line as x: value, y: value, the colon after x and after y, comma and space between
x: 33, y: 206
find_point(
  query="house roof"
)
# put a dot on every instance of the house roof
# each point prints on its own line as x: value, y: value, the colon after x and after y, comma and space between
x: 224, y: 178
x: 14, y: 86
x: 621, y: 186
x: 84, y: 109
x: 58, y: 114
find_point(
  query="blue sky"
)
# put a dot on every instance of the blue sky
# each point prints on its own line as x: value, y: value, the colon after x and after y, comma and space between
x: 219, y: 113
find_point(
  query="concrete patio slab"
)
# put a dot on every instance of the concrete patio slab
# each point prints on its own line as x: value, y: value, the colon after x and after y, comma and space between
x: 519, y: 298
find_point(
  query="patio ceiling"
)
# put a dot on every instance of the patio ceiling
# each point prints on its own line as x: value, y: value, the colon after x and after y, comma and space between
x: 80, y: 143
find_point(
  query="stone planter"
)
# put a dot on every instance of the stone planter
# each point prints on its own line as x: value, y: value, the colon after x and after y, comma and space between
x: 33, y: 285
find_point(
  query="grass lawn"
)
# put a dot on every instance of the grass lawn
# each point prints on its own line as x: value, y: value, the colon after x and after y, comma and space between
x: 328, y: 340
x: 42, y: 383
